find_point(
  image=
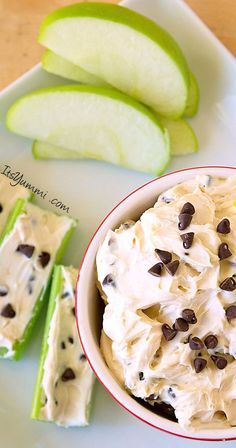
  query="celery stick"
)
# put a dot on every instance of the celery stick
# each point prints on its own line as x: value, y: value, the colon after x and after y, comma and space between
x: 61, y: 350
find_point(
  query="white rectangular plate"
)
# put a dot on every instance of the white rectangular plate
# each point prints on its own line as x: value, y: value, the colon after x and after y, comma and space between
x: 90, y: 189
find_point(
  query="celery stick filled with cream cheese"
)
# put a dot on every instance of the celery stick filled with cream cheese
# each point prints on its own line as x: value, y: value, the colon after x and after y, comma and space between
x: 65, y: 380
x: 32, y: 241
x: 8, y: 197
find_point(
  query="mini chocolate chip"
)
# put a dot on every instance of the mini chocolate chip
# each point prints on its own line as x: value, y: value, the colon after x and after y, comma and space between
x: 156, y: 269
x: 151, y: 397
x: 168, y: 332
x: 3, y: 291
x: 29, y: 288
x: 65, y: 294
x: 32, y: 278
x: 82, y: 357
x: 68, y: 375
x: 186, y: 253
x: 73, y: 310
x: 8, y: 311
x: 184, y: 221
x: 26, y: 249
x: 211, y: 341
x: 223, y: 226
x: 1, y: 208
x: 231, y: 312
x: 199, y: 354
x: 109, y: 281
x: 188, y: 208
x: 195, y: 343
x: 187, y: 239
x: 56, y: 402
x: 63, y: 345
x: 56, y: 383
x: 189, y: 316
x: 164, y: 255
x: 126, y: 225
x: 219, y: 361
x: 171, y: 393
x: 181, y: 324
x: 141, y: 376
x: 199, y: 364
x: 172, y: 267
x: 228, y: 284
x: 71, y: 340
x: 223, y: 251
x: 44, y: 259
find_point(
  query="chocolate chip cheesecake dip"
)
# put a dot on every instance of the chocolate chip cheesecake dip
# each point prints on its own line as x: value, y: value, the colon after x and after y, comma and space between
x: 169, y: 286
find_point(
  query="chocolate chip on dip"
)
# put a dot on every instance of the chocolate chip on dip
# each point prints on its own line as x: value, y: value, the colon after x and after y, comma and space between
x: 68, y: 375
x: 141, y: 376
x: 223, y: 226
x: 199, y: 364
x: 8, y: 311
x: 44, y: 259
x: 172, y: 267
x: 230, y: 312
x: 108, y: 280
x: 181, y: 324
x: 188, y: 208
x: 195, y: 343
x: 184, y: 220
x: 164, y: 255
x: 187, y: 239
x: 219, y: 361
x: 3, y: 290
x: 223, y: 251
x: 211, y: 341
x: 168, y: 332
x: 26, y: 249
x: 156, y: 269
x: 228, y: 284
x: 189, y: 316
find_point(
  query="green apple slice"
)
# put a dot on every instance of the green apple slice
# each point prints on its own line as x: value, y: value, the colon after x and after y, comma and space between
x: 183, y: 139
x: 193, y: 97
x: 124, y: 48
x: 96, y: 122
x: 57, y: 65
x: 42, y: 150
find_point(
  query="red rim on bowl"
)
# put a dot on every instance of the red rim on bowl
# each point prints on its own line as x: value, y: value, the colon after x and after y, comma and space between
x: 173, y: 173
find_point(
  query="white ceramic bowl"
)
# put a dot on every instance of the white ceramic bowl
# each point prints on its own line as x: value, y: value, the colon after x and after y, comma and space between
x: 89, y: 306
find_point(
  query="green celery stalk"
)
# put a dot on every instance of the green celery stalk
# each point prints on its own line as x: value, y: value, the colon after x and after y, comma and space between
x: 55, y: 290
x: 16, y: 211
